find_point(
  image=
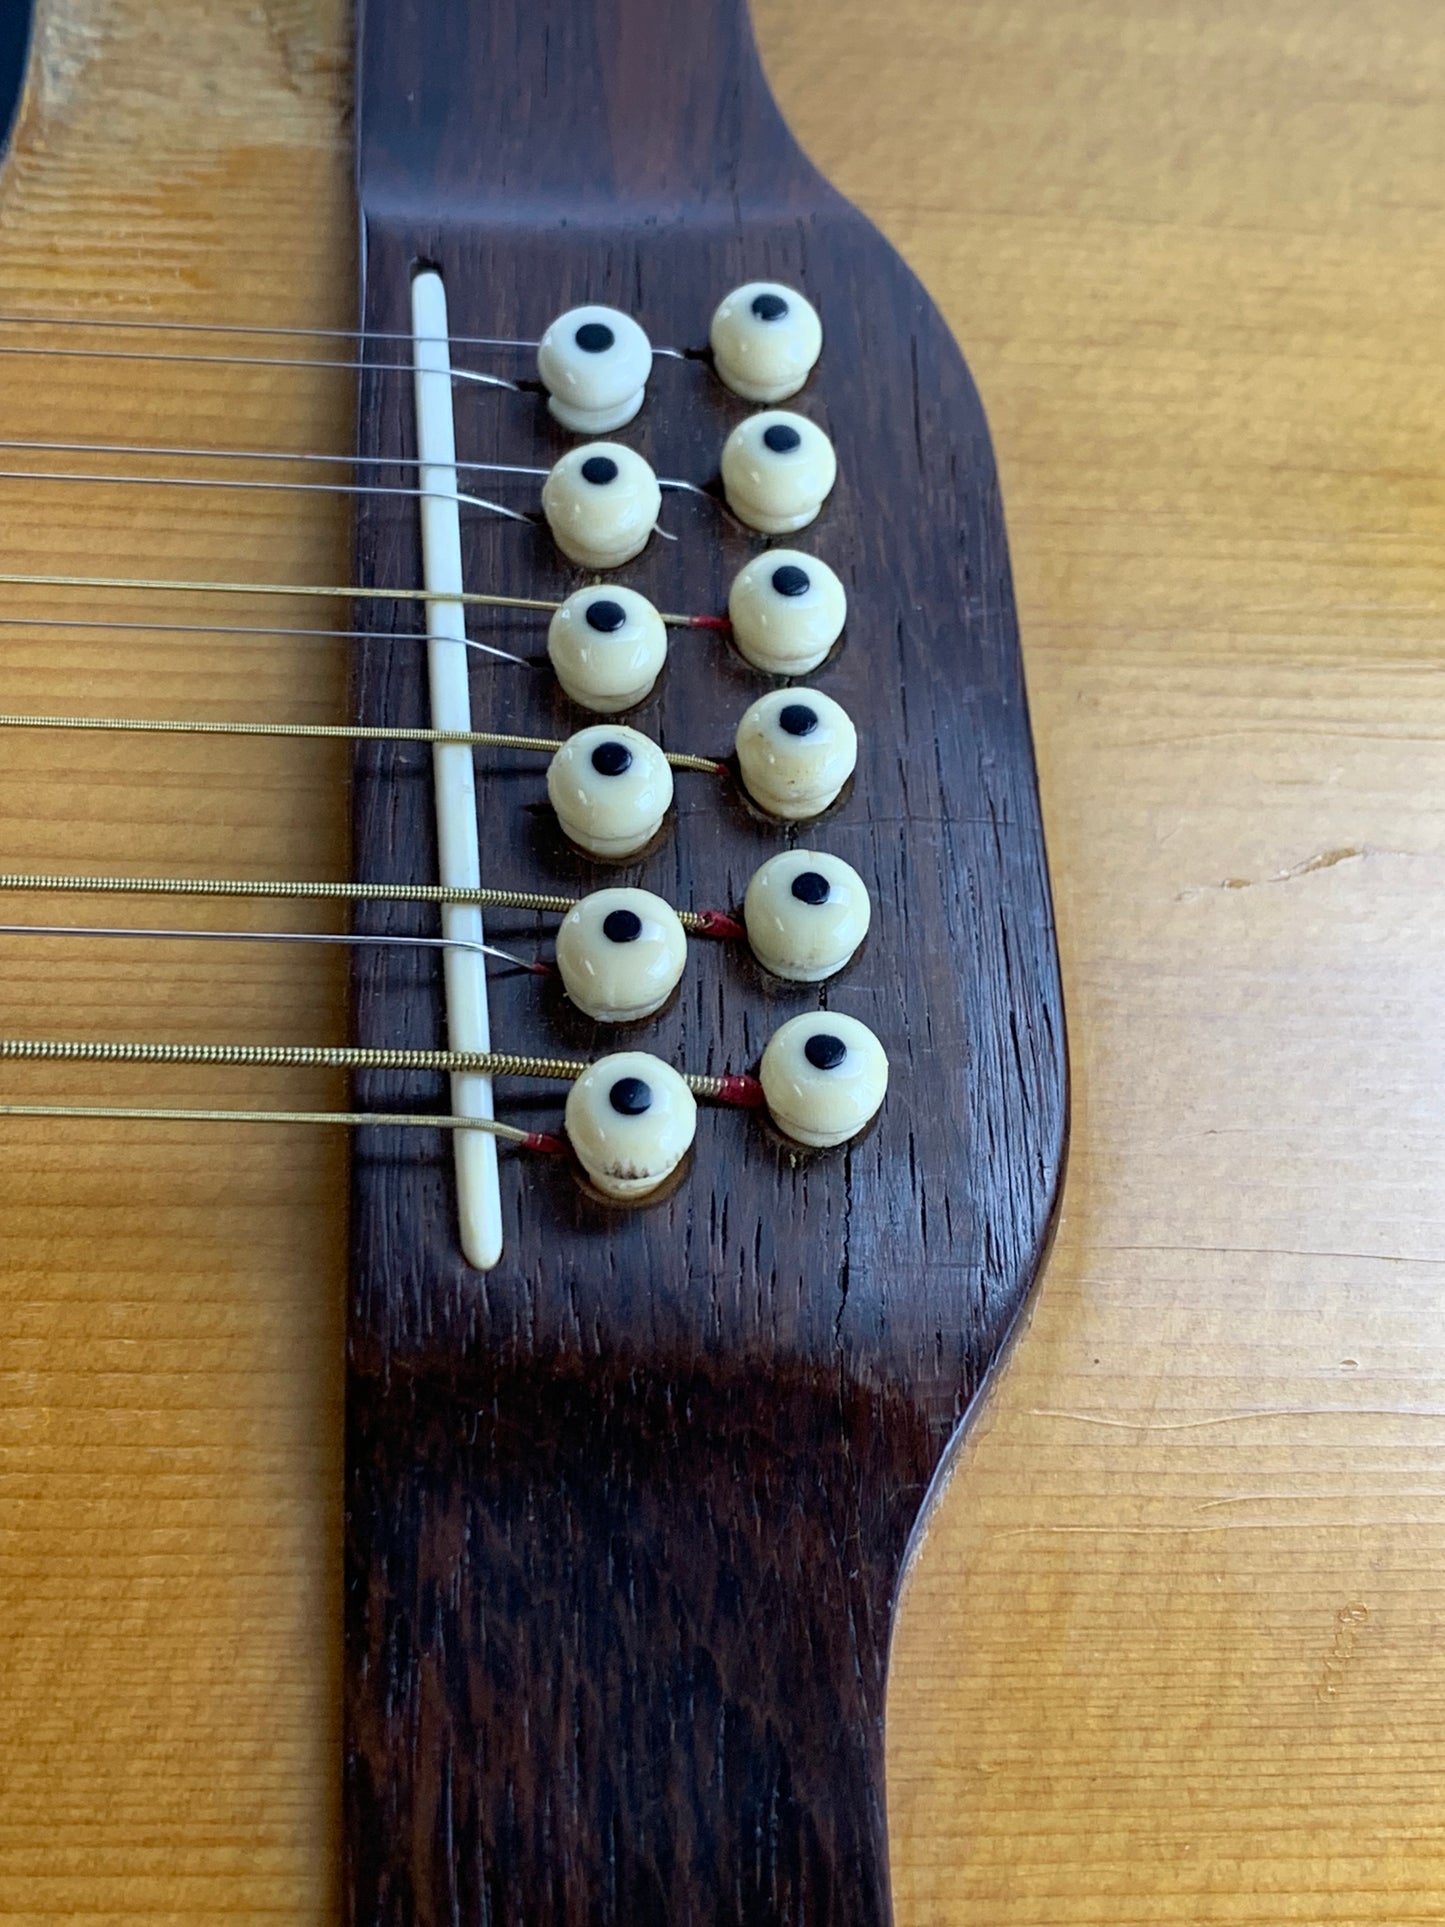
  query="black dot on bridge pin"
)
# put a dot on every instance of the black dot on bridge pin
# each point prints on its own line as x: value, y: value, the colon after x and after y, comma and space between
x: 622, y: 926
x: 630, y: 1097
x: 599, y: 470
x: 611, y: 759
x: 796, y: 719
x: 769, y: 307
x: 605, y: 616
x: 790, y: 580
x: 594, y: 337
x: 824, y: 1051
x: 781, y: 438
x: 811, y: 887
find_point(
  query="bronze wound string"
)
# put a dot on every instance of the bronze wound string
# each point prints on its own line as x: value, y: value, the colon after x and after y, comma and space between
x: 718, y: 1088
x: 701, y: 923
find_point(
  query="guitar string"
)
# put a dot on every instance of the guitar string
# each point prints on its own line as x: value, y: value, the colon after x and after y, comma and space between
x: 245, y: 629
x: 357, y: 939
x: 267, y: 455
x: 266, y: 486
x: 289, y: 730
x: 467, y: 598
x: 737, y: 1090
x: 322, y: 364
x: 316, y: 488
x: 494, y: 1064
x: 295, y: 334
x: 340, y: 732
x: 702, y: 923
x: 150, y: 450
x: 543, y: 1141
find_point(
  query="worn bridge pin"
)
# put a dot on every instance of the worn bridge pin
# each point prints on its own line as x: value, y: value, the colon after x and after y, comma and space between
x: 824, y: 1077
x: 806, y: 914
x: 766, y: 340
x: 777, y: 470
x: 620, y: 954
x: 594, y: 363
x: 631, y: 1120
x: 787, y: 610
x: 601, y: 502
x: 611, y: 787
x: 607, y: 646
x: 796, y: 749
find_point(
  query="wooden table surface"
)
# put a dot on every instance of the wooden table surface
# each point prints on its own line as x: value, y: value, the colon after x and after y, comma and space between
x: 1175, y: 1647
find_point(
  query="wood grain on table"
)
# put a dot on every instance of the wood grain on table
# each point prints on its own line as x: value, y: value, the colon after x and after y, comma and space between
x: 1175, y: 1647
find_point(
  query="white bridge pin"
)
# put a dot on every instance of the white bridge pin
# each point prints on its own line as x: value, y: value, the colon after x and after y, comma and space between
x: 787, y: 610
x: 611, y: 787
x: 824, y: 1077
x: 765, y: 341
x: 601, y: 502
x: 806, y: 914
x: 631, y: 1120
x: 620, y: 954
x: 796, y: 749
x: 777, y: 471
x: 607, y: 646
x: 594, y: 363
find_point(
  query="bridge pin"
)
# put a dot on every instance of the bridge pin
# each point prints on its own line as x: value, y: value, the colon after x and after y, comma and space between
x: 631, y: 1120
x: 611, y: 787
x: 594, y: 363
x: 806, y: 914
x: 621, y: 954
x: 777, y: 470
x: 824, y: 1077
x: 787, y: 610
x: 607, y: 646
x: 796, y: 749
x: 765, y: 341
x: 601, y: 502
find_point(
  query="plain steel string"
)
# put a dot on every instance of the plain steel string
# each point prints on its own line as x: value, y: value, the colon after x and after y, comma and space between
x: 291, y: 334
x: 244, y: 361
x: 409, y: 1120
x: 319, y: 488
x: 354, y: 939
x: 346, y: 592
x: 251, y: 629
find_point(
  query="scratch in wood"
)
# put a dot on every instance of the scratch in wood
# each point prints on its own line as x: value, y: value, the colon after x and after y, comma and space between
x: 1264, y: 1412
x: 1277, y: 1251
x: 1306, y: 1498
x: 1349, y: 1623
x: 1183, y: 1531
x: 1324, y: 860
